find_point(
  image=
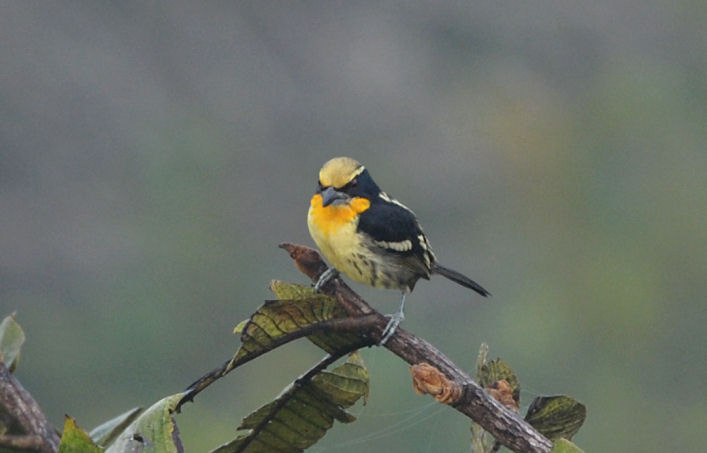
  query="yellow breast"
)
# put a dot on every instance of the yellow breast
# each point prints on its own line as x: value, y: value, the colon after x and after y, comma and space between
x: 330, y: 219
x: 333, y: 229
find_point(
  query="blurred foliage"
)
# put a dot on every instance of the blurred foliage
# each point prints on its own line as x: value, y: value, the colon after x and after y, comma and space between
x: 154, y: 430
x: 153, y: 155
x: 565, y: 446
x: 12, y: 337
x: 75, y: 440
x: 105, y: 433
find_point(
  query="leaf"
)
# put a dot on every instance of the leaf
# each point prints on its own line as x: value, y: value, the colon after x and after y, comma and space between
x: 297, y: 307
x: 153, y: 431
x: 497, y: 370
x: 284, y: 290
x: 75, y: 440
x: 346, y: 383
x: 556, y: 416
x: 491, y: 376
x: 324, y: 307
x: 11, y: 339
x: 303, y: 412
x: 107, y: 432
x: 565, y: 446
x: 239, y: 328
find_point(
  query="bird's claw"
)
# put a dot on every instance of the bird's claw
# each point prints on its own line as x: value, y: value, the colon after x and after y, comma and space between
x: 325, y: 277
x: 391, y: 327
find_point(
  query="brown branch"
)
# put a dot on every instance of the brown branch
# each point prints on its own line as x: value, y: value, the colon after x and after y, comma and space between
x: 31, y: 442
x: 505, y: 425
x: 37, y: 434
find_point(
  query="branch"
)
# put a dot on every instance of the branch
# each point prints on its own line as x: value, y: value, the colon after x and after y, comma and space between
x: 38, y: 434
x: 505, y: 425
x: 30, y: 442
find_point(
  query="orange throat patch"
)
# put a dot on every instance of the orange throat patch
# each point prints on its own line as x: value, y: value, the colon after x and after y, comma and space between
x: 329, y: 219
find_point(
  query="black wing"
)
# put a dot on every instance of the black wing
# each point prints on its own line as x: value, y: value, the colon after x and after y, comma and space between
x: 389, y: 222
x: 394, y: 229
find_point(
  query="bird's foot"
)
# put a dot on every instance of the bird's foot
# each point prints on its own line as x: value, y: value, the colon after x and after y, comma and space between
x: 391, y: 327
x: 325, y: 277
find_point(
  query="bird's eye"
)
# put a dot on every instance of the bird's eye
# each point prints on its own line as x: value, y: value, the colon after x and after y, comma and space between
x: 320, y: 187
x: 354, y: 182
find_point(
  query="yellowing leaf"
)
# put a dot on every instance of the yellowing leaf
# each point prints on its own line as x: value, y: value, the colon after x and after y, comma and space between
x: 241, y: 325
x: 75, y: 440
x: 347, y: 383
x: 565, y: 446
x: 284, y: 290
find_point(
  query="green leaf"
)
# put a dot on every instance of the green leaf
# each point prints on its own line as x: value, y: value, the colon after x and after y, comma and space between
x: 107, y: 432
x: 556, y: 416
x: 346, y: 383
x: 565, y: 446
x: 153, y: 431
x: 303, y: 412
x: 297, y: 307
x: 11, y: 339
x: 75, y: 440
x: 497, y: 370
x: 241, y: 325
x: 285, y: 290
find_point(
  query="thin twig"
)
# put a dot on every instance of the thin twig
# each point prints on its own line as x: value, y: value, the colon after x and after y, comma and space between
x: 360, y: 324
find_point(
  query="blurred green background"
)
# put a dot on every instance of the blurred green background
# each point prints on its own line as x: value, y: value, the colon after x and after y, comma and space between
x: 153, y: 155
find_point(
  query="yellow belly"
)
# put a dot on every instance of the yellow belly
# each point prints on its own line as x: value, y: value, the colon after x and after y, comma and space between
x: 333, y: 229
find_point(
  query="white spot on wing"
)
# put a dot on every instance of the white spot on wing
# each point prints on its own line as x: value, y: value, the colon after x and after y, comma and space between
x: 427, y: 254
x: 423, y: 241
x: 402, y: 246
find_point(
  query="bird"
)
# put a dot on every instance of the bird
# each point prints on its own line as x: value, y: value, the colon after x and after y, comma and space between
x: 371, y: 237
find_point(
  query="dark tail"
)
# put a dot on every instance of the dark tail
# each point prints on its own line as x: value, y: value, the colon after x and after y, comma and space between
x: 459, y: 278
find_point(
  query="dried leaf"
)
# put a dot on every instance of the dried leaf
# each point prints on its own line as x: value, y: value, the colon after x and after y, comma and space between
x: 428, y: 380
x: 503, y: 392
